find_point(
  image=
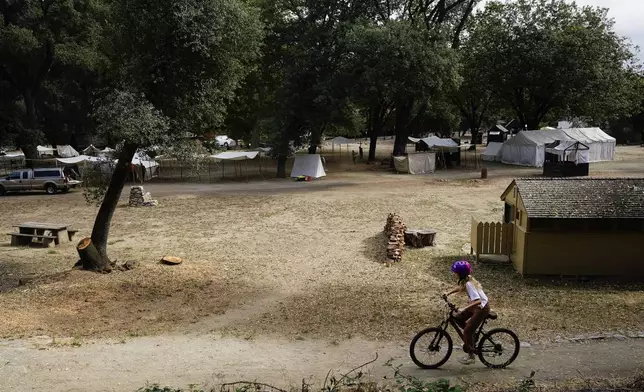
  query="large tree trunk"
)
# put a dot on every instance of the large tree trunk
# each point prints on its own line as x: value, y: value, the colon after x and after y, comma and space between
x: 30, y: 108
x: 316, y: 138
x: 533, y: 124
x: 31, y: 152
x: 374, y: 129
x: 281, y: 166
x: 101, y: 229
x: 403, y: 115
x: 254, y: 139
x: 638, y: 125
x: 373, y: 140
x: 27, y: 142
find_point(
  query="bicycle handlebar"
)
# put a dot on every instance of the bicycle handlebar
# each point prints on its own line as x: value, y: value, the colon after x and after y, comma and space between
x: 451, y: 305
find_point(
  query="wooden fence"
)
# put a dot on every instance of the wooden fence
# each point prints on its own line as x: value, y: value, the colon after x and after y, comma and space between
x: 493, y: 238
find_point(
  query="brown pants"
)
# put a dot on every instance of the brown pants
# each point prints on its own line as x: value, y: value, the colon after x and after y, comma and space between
x: 470, y: 321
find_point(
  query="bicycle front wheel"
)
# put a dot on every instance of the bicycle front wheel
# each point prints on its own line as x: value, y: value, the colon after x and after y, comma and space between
x: 498, y: 348
x: 431, y: 348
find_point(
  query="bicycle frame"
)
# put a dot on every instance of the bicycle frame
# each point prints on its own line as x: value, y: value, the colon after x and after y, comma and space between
x: 450, y: 320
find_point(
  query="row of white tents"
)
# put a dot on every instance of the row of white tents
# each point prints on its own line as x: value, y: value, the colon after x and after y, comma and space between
x: 307, y: 165
x: 528, y: 148
x: 146, y: 166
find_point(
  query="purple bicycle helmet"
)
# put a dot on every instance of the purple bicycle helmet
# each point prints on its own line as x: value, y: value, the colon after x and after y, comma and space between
x: 462, y: 268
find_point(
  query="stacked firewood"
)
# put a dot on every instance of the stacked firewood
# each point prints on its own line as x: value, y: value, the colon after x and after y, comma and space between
x: 395, y: 232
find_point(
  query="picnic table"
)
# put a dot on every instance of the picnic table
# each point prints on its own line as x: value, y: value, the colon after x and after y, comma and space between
x: 41, y: 233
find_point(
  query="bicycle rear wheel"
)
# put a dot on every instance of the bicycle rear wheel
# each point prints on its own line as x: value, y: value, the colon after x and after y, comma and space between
x: 498, y: 348
x: 431, y: 348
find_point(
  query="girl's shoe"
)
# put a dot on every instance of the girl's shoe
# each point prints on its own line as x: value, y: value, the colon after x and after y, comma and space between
x: 467, y: 360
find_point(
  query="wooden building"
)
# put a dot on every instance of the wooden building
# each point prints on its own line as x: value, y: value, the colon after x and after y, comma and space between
x: 576, y: 226
x: 498, y: 134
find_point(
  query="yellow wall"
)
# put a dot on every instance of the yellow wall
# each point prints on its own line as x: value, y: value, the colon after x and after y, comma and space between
x: 609, y: 254
x: 518, y: 249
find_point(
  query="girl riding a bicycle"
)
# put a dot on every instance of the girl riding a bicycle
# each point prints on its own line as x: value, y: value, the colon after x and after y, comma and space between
x: 476, y: 311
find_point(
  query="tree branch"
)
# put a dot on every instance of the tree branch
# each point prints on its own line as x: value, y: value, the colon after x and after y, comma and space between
x: 461, y: 25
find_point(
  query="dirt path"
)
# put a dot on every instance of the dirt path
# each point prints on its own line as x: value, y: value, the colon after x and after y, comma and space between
x: 186, y: 359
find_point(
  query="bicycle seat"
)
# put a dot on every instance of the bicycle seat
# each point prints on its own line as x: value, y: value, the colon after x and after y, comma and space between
x: 492, y: 316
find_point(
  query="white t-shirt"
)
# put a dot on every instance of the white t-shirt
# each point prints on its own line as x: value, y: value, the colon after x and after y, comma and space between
x: 475, y: 294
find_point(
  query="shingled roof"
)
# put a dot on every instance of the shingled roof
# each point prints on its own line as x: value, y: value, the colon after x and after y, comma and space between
x: 588, y: 198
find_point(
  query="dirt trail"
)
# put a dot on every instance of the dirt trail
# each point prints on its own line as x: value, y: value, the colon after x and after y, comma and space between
x: 185, y: 359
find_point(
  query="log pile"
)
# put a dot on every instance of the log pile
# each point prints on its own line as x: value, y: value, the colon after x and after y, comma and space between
x: 395, y: 232
x: 140, y: 198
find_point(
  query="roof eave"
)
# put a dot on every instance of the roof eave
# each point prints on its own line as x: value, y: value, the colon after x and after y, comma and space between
x: 505, y: 192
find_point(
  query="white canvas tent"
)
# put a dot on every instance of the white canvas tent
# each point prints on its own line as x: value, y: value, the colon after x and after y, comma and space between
x: 571, y: 151
x: 66, y: 151
x: 340, y: 141
x: 236, y: 155
x: 527, y: 148
x: 107, y: 151
x: 45, y: 150
x: 416, y: 163
x: 602, y: 145
x: 308, y: 165
x: 493, y: 152
x: 436, y: 142
x: 77, y: 160
x: 149, y: 167
x: 91, y: 150
x: 12, y: 156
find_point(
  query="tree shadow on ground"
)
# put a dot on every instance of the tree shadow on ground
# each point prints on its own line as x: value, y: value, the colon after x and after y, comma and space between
x: 14, y: 274
x: 503, y: 275
x: 375, y: 248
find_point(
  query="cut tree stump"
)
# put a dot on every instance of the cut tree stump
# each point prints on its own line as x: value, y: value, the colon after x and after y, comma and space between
x: 89, y: 256
x: 420, y: 238
x: 171, y: 260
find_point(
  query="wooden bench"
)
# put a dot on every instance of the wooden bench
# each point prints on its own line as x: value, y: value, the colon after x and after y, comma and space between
x: 20, y: 239
x: 70, y: 233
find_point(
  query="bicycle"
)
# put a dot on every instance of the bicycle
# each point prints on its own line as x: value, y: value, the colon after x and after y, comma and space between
x: 489, y: 347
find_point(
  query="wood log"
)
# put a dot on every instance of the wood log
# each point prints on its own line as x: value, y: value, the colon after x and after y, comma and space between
x: 395, y: 234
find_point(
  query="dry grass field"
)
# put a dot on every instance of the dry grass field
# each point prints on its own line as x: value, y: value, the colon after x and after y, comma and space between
x: 298, y: 262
